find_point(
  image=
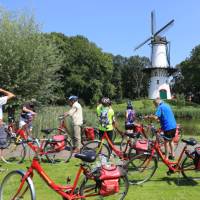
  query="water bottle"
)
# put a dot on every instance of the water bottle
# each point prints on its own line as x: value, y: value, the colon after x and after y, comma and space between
x: 103, y: 159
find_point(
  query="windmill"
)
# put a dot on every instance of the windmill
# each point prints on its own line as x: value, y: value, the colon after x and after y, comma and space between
x: 160, y: 69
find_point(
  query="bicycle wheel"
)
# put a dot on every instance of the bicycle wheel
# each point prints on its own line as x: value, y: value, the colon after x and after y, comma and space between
x: 189, y: 171
x: 123, y: 144
x: 90, y: 189
x: 141, y: 168
x: 115, y: 131
x: 100, y: 148
x: 58, y: 154
x: 15, y: 152
x: 10, y: 186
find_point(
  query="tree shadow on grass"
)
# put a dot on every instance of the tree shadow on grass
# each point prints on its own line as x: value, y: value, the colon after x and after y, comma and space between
x: 178, y: 181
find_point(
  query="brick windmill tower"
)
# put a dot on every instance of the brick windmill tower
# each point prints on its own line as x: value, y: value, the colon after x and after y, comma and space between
x: 160, y: 69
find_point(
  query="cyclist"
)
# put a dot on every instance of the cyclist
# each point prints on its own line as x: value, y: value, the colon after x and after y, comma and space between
x: 167, y: 120
x: 129, y: 118
x: 77, y: 117
x: 27, y: 114
x: 3, y: 135
x: 106, y: 117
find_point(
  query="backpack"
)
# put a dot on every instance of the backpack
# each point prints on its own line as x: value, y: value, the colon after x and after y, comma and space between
x: 131, y: 116
x: 103, y: 119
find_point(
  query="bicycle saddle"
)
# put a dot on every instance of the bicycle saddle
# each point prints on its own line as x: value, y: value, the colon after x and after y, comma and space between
x: 47, y: 130
x: 190, y: 141
x: 86, y: 156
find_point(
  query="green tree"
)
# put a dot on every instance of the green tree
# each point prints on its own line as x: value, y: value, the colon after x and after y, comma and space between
x: 134, y: 79
x: 86, y: 71
x: 190, y: 69
x: 28, y: 62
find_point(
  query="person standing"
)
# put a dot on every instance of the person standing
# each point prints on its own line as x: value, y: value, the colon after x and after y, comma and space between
x: 129, y: 117
x: 26, y: 116
x: 167, y: 120
x: 106, y: 118
x: 3, y: 135
x: 77, y: 118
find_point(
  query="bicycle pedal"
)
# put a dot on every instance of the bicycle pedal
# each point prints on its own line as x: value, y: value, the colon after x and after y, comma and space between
x: 170, y: 172
x: 68, y: 180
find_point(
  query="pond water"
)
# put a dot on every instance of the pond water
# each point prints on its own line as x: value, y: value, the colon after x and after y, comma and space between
x: 190, y: 126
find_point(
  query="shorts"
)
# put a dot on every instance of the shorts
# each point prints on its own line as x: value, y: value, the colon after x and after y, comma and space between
x: 170, y: 134
x: 3, y: 138
x: 129, y: 126
x: 24, y: 122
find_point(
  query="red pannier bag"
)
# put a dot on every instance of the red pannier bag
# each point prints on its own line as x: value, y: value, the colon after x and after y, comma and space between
x: 141, y: 146
x: 109, y: 180
x: 60, y: 145
x: 89, y: 133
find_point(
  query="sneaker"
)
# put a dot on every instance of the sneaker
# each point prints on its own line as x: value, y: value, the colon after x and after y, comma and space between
x: 171, y: 157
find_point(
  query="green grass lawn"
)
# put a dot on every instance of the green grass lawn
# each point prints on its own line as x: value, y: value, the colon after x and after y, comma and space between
x: 160, y: 187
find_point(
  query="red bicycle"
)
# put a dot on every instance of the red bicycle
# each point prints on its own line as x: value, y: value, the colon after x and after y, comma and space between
x: 143, y: 166
x: 97, y: 183
x: 53, y: 148
x: 102, y: 149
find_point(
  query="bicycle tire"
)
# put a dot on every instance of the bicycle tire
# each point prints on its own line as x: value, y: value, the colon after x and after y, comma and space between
x: 15, y: 152
x: 124, y: 147
x: 94, y: 145
x: 10, y: 185
x: 141, y: 169
x: 53, y: 155
x: 89, y: 187
x: 189, y: 171
x: 114, y: 135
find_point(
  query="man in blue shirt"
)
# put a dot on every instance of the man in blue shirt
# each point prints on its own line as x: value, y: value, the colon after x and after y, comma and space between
x: 167, y: 120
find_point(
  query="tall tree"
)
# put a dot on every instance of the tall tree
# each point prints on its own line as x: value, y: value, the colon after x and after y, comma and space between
x: 87, y: 70
x: 28, y: 63
x: 134, y: 79
x: 190, y: 69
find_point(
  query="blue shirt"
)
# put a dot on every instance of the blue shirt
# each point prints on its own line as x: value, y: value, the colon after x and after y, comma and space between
x: 166, y: 116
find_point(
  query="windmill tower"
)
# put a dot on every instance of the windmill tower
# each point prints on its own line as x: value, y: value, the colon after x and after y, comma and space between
x: 160, y: 69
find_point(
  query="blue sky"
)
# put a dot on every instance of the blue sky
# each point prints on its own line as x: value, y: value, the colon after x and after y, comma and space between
x: 117, y: 26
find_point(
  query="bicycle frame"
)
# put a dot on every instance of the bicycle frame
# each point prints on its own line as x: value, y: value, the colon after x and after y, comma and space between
x: 67, y: 191
x: 119, y: 153
x: 39, y: 148
x: 174, y: 166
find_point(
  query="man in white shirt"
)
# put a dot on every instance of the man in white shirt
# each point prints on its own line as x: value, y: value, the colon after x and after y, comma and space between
x: 3, y: 100
x: 77, y: 117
